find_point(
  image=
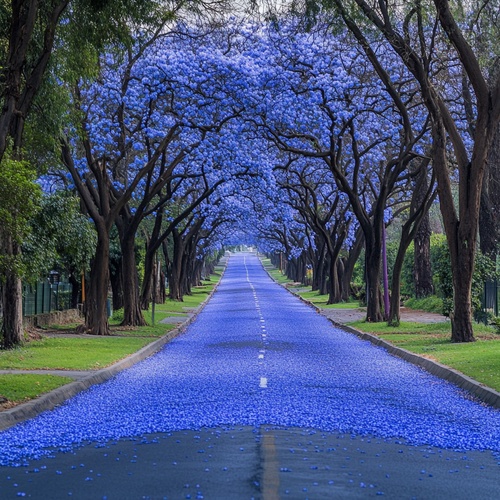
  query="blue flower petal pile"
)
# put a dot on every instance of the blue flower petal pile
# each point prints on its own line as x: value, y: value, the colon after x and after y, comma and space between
x: 257, y: 355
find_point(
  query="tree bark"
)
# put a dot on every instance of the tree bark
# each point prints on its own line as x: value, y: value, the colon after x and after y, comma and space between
x: 175, y: 275
x: 147, y: 282
x: 12, y: 295
x: 422, y: 241
x: 461, y: 236
x: 96, y: 316
x: 75, y: 289
x: 489, y: 223
x: 117, y: 285
x: 349, y: 264
x: 132, y: 314
x: 373, y: 293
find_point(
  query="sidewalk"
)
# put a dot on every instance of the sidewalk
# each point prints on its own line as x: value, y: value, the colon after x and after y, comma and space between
x: 343, y: 316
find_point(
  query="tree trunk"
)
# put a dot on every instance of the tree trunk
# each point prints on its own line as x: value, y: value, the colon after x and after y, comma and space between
x: 318, y: 282
x: 394, y: 316
x: 354, y: 254
x: 373, y: 293
x: 12, y: 298
x: 462, y: 237
x: 422, y: 257
x: 461, y: 317
x: 132, y: 314
x: 75, y: 289
x: 96, y: 316
x: 175, y: 276
x: 490, y: 201
x: 422, y: 242
x: 115, y: 274
x: 147, y: 281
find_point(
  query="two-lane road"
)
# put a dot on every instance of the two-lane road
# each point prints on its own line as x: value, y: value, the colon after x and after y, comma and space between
x: 261, y: 398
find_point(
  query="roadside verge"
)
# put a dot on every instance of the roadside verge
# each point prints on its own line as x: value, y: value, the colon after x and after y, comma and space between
x: 54, y: 398
x: 477, y: 389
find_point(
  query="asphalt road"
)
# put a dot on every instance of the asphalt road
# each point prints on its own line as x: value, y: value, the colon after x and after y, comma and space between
x: 261, y: 398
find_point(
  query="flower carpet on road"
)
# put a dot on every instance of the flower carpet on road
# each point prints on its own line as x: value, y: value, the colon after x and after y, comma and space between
x: 255, y: 356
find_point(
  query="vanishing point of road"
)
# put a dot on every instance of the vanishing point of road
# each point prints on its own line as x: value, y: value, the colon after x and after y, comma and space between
x: 261, y: 397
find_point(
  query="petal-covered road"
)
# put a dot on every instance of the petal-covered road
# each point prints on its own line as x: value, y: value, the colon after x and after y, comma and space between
x: 261, y: 398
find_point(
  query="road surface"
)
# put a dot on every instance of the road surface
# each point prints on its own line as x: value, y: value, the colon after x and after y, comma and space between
x: 261, y: 398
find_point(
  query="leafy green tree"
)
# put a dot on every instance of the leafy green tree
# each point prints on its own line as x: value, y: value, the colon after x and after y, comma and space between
x: 19, y: 202
x: 61, y: 238
x: 30, y: 32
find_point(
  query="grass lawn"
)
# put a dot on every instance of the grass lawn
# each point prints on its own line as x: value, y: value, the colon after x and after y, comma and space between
x: 18, y: 388
x: 305, y: 291
x: 321, y: 300
x: 479, y: 360
x: 275, y: 273
x: 87, y: 353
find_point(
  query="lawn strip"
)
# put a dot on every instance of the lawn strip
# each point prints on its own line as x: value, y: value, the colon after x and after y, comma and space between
x: 18, y: 388
x: 78, y: 353
x: 101, y: 356
x: 479, y: 360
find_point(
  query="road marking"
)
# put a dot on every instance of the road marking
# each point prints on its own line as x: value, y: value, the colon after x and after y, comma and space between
x: 263, y: 383
x: 270, y: 468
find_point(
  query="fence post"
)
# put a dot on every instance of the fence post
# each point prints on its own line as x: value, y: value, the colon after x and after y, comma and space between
x: 495, y: 285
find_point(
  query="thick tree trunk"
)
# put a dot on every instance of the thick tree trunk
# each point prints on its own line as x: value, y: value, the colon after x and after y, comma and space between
x: 334, y: 287
x: 422, y: 257
x: 422, y: 241
x: 12, y: 298
x: 349, y: 264
x: 461, y: 317
x: 75, y: 290
x: 96, y: 316
x: 462, y: 238
x: 489, y: 223
x: 373, y: 293
x: 175, y: 276
x: 147, y: 281
x: 117, y: 286
x: 318, y: 282
x: 394, y: 316
x: 132, y: 314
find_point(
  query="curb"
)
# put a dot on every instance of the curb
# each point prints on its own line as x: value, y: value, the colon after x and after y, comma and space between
x: 482, y: 392
x: 51, y: 399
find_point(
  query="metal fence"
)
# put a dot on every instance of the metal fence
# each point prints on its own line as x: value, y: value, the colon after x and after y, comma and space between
x: 490, y: 299
x: 46, y: 297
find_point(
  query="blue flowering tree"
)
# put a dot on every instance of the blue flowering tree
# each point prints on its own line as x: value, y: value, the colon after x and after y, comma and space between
x: 467, y: 149
x: 328, y: 108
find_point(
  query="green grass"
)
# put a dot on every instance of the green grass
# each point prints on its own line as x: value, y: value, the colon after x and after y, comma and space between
x: 18, y: 388
x: 90, y: 353
x: 275, y: 273
x: 321, y: 300
x: 305, y: 291
x: 429, y: 304
x: 479, y: 360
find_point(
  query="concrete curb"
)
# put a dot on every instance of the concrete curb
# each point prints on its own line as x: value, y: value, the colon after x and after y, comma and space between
x: 480, y: 391
x: 50, y: 400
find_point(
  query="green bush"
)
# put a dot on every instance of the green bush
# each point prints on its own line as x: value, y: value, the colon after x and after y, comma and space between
x: 484, y: 270
x: 441, y: 270
x: 118, y: 316
x: 430, y: 304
